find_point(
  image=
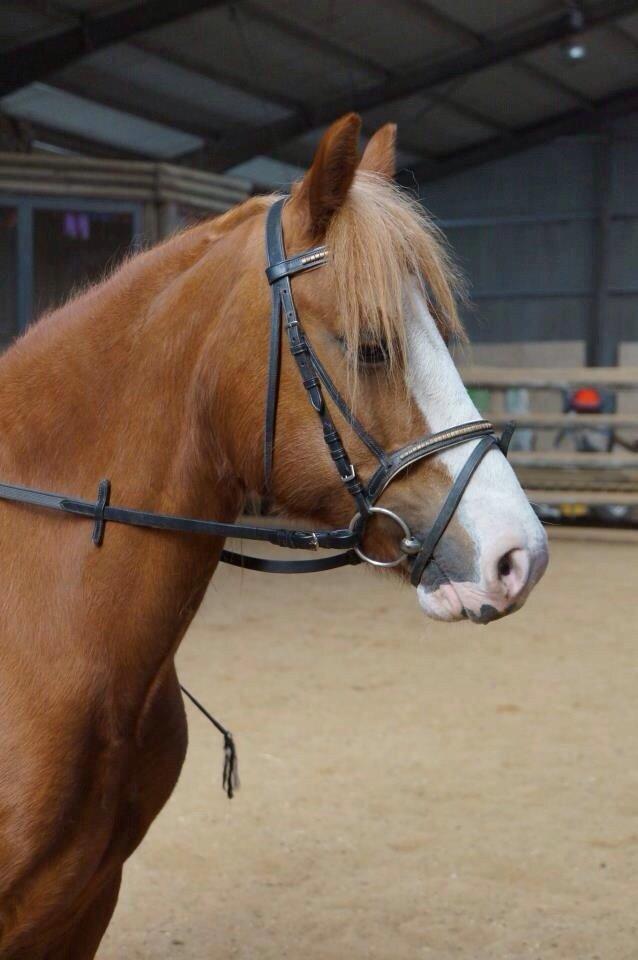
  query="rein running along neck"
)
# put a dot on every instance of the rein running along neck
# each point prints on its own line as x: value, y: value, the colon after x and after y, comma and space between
x: 416, y: 551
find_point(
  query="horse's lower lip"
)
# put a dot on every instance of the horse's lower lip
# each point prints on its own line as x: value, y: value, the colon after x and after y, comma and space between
x: 443, y: 603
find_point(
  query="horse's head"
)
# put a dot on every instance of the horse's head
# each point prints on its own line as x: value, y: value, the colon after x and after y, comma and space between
x: 379, y: 315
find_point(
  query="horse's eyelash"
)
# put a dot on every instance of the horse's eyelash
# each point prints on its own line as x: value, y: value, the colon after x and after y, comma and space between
x: 373, y: 353
x: 369, y: 352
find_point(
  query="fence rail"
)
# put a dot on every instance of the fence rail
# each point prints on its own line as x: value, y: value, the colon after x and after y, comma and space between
x: 560, y: 421
x: 556, y: 378
x: 561, y: 476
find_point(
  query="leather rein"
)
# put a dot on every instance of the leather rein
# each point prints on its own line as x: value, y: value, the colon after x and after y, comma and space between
x: 418, y: 552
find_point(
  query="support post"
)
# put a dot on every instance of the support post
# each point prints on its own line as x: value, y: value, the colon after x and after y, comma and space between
x: 602, y: 346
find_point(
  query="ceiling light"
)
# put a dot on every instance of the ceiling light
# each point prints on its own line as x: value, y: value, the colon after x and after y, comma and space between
x: 574, y: 51
x: 574, y: 48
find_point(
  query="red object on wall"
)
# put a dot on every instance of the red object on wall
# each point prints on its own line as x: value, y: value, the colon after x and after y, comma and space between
x: 586, y: 400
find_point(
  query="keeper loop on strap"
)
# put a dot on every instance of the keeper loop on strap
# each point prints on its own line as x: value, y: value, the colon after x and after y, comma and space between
x: 103, y: 497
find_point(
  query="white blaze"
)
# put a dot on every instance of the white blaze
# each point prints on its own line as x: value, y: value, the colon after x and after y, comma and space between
x: 494, y: 510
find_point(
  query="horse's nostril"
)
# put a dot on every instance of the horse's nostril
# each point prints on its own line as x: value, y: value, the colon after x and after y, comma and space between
x: 513, y: 569
x: 504, y: 566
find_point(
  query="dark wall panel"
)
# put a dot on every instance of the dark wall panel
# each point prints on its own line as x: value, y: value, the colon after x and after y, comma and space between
x: 528, y: 232
x: 526, y: 257
x: 557, y: 178
x: 515, y: 320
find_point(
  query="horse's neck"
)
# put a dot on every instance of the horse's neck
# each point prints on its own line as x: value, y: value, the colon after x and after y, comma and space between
x: 107, y: 387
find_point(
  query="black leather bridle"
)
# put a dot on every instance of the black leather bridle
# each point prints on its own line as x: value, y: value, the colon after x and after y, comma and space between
x: 417, y: 552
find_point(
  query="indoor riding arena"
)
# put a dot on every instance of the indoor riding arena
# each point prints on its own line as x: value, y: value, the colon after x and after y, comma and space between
x: 396, y: 785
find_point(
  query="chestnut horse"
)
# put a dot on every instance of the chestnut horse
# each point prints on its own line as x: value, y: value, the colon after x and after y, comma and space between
x: 155, y: 378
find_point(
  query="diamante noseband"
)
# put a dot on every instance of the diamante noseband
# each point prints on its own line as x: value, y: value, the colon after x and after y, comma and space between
x: 417, y: 552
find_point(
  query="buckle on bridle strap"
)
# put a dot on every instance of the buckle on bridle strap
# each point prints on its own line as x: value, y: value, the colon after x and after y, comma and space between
x: 350, y: 475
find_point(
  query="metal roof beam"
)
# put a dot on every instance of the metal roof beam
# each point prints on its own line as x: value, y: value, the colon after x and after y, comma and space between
x: 213, y: 72
x: 35, y: 59
x: 234, y: 150
x: 317, y: 42
x: 446, y: 21
x: 567, y: 124
x: 620, y: 31
x: 551, y: 82
x: 468, y: 112
x: 465, y: 33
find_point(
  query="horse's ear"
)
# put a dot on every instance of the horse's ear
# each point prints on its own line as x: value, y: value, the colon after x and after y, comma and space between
x: 325, y: 186
x: 380, y: 155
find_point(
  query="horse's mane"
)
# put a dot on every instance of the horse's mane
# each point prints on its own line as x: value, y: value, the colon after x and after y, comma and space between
x: 379, y: 239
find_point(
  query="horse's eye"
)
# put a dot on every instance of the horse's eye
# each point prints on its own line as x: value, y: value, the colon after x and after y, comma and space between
x: 373, y: 353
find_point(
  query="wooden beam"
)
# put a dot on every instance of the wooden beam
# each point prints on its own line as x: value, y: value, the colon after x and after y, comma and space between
x: 573, y: 459
x: 592, y: 498
x: 577, y: 479
x: 573, y: 472
x: 567, y: 421
x: 557, y: 378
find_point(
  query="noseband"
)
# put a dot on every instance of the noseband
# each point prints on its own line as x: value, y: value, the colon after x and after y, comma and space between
x: 416, y: 551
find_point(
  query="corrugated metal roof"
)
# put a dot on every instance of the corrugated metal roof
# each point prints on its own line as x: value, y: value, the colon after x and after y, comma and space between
x: 19, y: 21
x: 512, y: 97
x: 427, y: 123
x: 389, y: 35
x: 241, y: 81
x: 260, y: 54
x: 492, y: 17
x: 148, y: 81
x: 611, y: 63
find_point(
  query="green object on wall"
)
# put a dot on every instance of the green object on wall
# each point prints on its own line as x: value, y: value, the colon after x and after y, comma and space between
x: 481, y: 398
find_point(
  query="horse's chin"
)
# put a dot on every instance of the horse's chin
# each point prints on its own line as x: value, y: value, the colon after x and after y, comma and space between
x: 443, y: 603
x: 451, y: 600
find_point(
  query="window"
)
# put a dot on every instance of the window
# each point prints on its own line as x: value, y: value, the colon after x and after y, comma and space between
x: 51, y: 248
x: 73, y: 249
